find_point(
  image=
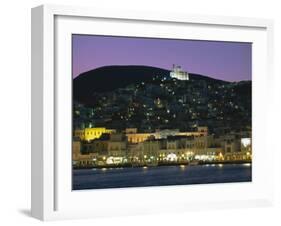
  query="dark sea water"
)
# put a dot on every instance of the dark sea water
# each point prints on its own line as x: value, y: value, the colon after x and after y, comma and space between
x: 157, y: 176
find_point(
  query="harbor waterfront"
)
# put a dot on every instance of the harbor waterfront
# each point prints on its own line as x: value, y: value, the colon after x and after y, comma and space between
x: 105, y: 158
x: 137, y: 122
x: 99, y: 178
x: 101, y: 147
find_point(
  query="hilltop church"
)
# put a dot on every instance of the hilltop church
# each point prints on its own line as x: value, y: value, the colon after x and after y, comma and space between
x: 178, y: 73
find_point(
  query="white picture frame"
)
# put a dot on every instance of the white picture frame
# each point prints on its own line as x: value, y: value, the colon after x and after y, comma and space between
x: 52, y: 197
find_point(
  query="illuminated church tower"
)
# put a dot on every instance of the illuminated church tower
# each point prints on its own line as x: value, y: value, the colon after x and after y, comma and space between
x: 178, y: 73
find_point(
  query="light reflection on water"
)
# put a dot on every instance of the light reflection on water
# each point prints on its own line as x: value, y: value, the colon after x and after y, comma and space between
x: 157, y: 176
x: 247, y: 164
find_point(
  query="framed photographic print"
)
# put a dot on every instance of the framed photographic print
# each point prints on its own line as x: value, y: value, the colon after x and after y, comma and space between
x: 136, y: 112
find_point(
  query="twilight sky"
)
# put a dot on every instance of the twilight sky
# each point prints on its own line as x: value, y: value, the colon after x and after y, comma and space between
x: 230, y: 61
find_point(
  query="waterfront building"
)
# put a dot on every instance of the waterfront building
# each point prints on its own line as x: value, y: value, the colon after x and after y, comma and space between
x: 80, y: 160
x: 76, y: 149
x: 163, y: 134
x: 189, y: 134
x: 88, y: 160
x: 131, y: 130
x: 238, y: 156
x: 244, y: 152
x: 117, y: 145
x: 139, y: 137
x: 175, y: 146
x: 99, y: 146
x: 209, y: 154
x: 144, y: 153
x: 134, y: 137
x: 150, y: 151
x: 231, y: 144
x: 88, y: 134
x: 202, y: 142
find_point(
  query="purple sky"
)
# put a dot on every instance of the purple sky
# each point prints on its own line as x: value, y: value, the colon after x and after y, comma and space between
x: 230, y: 61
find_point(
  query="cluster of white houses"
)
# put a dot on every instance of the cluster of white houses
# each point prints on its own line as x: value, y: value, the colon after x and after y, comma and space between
x: 100, y: 146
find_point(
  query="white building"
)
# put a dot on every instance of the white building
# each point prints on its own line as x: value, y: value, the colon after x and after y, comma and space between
x: 178, y: 73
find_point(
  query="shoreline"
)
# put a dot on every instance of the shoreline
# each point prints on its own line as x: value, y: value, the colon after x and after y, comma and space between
x: 129, y: 165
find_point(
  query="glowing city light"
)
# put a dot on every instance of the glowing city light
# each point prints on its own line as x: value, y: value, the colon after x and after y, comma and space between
x: 172, y: 157
x: 246, y: 142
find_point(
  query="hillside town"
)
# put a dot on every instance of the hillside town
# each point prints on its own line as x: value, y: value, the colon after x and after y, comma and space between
x: 177, y: 118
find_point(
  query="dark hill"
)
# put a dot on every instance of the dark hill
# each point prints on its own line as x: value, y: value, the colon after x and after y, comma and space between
x: 109, y: 78
x: 115, y: 77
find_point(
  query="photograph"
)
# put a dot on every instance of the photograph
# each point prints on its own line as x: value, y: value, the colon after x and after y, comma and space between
x: 150, y: 111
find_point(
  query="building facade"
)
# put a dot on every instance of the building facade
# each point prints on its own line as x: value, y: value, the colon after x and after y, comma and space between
x: 92, y: 133
x: 178, y: 73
